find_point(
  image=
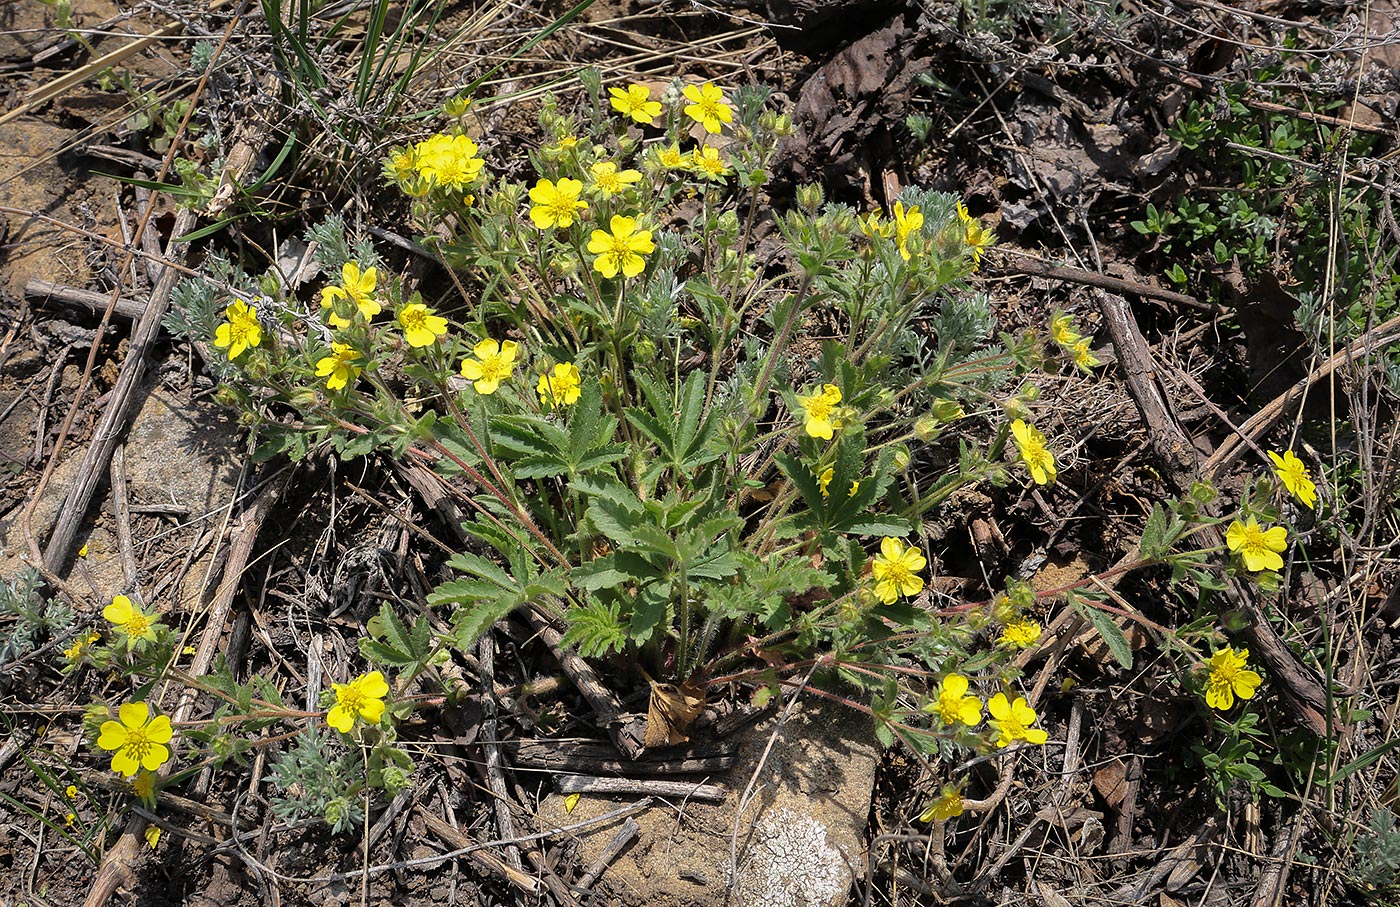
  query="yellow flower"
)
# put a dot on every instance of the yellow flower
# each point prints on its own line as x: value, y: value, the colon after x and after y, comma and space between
x: 562, y: 388
x: 420, y: 326
x: 906, y: 223
x: 240, y: 331
x: 610, y: 181
x: 622, y: 249
x: 1083, y: 357
x: 362, y: 697
x: 356, y: 286
x: 402, y: 165
x: 709, y: 107
x: 69, y: 819
x: 449, y: 161
x: 137, y: 741
x: 1259, y: 548
x: 875, y: 227
x: 144, y: 786
x: 338, y: 368
x: 824, y: 482
x: 896, y: 570
x: 975, y: 236
x: 672, y: 159
x: 83, y: 551
x: 1012, y: 721
x: 129, y: 619
x: 635, y: 101
x: 80, y: 645
x: 948, y: 805
x: 71, y: 791
x: 820, y: 409
x: 1230, y: 678
x: 706, y: 161
x: 567, y: 141
x: 1293, y: 473
x: 1062, y: 330
x: 954, y: 705
x: 556, y: 204
x: 493, y: 364
x: 1034, y: 452
x: 1020, y: 634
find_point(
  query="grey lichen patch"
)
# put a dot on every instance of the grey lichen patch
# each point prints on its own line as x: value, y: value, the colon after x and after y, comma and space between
x: 792, y: 864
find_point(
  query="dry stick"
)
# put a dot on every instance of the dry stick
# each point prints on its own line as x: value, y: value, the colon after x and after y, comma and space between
x: 609, y: 787
x: 122, y: 510
x: 624, y: 836
x: 119, y: 859
x: 606, y: 705
x: 491, y: 749
x: 1303, y: 690
x: 484, y: 859
x: 1255, y: 426
x: 43, y: 289
x: 1024, y: 264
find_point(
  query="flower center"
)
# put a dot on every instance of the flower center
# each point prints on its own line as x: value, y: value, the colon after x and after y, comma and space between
x: 495, y: 368
x: 136, y: 743
x: 413, y: 320
x: 136, y: 625
x: 352, y: 700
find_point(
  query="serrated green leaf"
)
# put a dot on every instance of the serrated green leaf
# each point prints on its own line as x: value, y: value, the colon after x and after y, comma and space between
x: 471, y: 623
x: 880, y: 524
x: 599, y: 573
x: 1107, y: 628
x: 383, y: 654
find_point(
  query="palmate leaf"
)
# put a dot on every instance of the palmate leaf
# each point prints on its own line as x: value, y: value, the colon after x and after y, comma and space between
x: 538, y: 447
x: 679, y: 426
x: 393, y: 643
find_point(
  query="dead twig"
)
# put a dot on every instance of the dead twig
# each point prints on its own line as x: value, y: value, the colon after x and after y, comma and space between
x: 610, y: 787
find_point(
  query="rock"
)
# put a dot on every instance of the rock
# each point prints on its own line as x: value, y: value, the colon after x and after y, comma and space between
x: 800, y: 842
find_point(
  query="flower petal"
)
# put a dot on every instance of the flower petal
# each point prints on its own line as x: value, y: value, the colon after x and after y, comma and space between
x: 134, y: 714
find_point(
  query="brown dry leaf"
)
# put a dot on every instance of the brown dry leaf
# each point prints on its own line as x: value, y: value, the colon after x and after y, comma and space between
x: 671, y: 712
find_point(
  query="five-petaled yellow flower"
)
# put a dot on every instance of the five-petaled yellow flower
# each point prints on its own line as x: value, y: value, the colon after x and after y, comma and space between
x: 820, y: 410
x: 493, y: 364
x: 556, y: 204
x: 240, y: 331
x: 449, y: 161
x: 1020, y: 634
x: 621, y: 249
x: 609, y: 181
x: 708, y: 106
x: 339, y: 367
x: 356, y: 286
x: 896, y: 570
x: 635, y: 101
x: 671, y: 157
x: 137, y: 741
x: 1084, y: 358
x: 1293, y: 473
x: 906, y: 223
x: 362, y: 697
x: 948, y: 805
x: 954, y: 705
x: 562, y: 387
x: 1258, y: 547
x: 129, y: 619
x: 1229, y: 678
x: 1035, y: 453
x: 706, y: 161
x: 71, y: 791
x: 1013, y: 720
x: 975, y: 236
x: 420, y: 326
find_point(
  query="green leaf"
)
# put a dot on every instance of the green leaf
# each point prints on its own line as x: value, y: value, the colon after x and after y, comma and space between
x: 1108, y: 628
x: 595, y: 630
x: 1154, y: 543
x: 599, y: 573
x: 471, y: 623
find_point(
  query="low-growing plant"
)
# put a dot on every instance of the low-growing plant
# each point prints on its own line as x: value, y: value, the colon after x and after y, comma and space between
x: 614, y: 387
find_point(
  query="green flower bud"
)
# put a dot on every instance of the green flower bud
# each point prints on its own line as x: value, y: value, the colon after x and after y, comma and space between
x: 810, y: 197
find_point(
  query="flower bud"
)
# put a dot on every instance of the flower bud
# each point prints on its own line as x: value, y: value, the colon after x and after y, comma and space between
x: 810, y: 197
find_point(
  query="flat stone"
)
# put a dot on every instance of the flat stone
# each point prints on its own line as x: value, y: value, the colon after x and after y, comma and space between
x: 799, y: 841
